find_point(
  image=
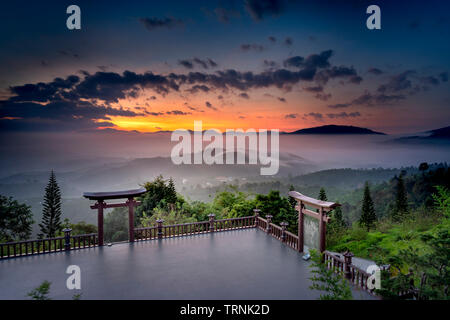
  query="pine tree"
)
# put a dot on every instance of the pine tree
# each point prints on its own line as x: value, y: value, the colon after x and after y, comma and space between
x: 51, y: 214
x: 401, y: 200
x: 322, y: 195
x: 171, y: 192
x: 368, y: 216
x: 338, y: 218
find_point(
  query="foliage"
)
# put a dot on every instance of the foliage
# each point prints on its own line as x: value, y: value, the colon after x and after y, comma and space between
x: 79, y: 228
x: 279, y: 207
x: 442, y: 200
x: 368, y: 217
x: 170, y: 217
x: 116, y: 225
x: 400, y: 209
x: 15, y: 220
x: 417, y: 249
x: 327, y: 280
x: 322, y: 195
x: 51, y: 213
x: 41, y: 292
x: 160, y: 193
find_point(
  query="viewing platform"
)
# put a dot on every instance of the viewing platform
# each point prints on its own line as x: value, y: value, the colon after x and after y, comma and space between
x: 235, y: 264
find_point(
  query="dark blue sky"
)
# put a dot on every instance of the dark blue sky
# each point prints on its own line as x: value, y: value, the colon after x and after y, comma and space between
x: 396, y: 78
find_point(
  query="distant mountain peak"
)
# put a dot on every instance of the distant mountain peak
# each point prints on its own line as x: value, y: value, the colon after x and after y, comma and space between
x: 335, y: 129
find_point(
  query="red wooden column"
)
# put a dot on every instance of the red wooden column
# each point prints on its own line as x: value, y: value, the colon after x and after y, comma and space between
x: 131, y: 204
x: 100, y: 205
x: 322, y: 230
x: 301, y: 227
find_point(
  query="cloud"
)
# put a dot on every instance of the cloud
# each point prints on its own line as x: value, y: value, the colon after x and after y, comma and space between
x: 259, y: 9
x: 210, y: 106
x: 370, y: 100
x: 316, y: 115
x: 288, y: 41
x: 57, y: 115
x: 272, y: 39
x: 443, y: 76
x: 244, y: 95
x: 343, y: 115
x: 270, y: 64
x: 399, y: 82
x: 291, y: 116
x: 252, y: 46
x: 205, y: 64
x: 178, y: 113
x: 323, y: 96
x: 314, y: 89
x: 226, y: 14
x: 375, y: 71
x: 198, y: 88
x: 158, y: 23
x: 186, y: 63
x: 323, y: 76
x: 312, y: 61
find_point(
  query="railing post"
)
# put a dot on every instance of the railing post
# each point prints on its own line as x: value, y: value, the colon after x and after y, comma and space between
x: 67, y: 238
x: 283, y: 225
x: 269, y: 221
x: 160, y: 233
x: 257, y: 213
x: 322, y: 230
x: 347, y: 263
x: 301, y: 226
x: 211, y: 222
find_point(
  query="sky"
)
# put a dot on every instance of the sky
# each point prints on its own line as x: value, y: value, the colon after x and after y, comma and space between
x: 269, y: 64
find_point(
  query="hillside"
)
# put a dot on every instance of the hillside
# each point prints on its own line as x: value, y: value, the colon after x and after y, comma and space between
x: 336, y: 129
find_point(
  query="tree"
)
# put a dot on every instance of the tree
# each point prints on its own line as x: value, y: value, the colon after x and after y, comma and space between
x: 15, y: 220
x: 171, y: 196
x: 277, y: 206
x: 368, y: 216
x: 322, y: 195
x: 116, y: 225
x: 51, y: 214
x: 337, y: 217
x: 401, y: 200
x: 423, y: 167
x: 327, y: 280
x: 160, y: 193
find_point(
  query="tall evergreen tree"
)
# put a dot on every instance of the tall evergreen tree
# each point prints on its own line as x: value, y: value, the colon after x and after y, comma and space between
x: 338, y: 218
x: 171, y: 196
x: 401, y: 200
x: 368, y: 216
x: 51, y: 214
x: 322, y: 195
